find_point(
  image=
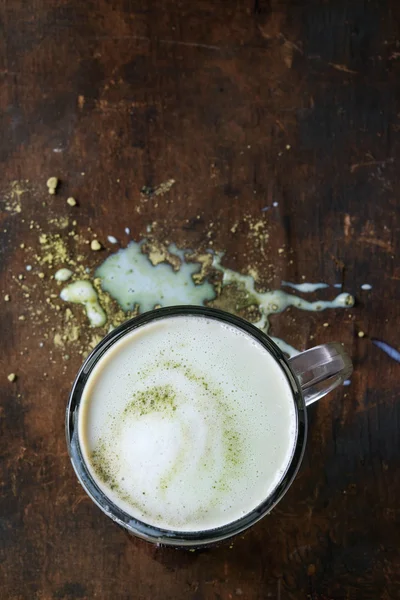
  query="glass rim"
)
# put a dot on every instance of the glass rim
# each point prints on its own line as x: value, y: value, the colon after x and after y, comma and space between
x: 140, y: 528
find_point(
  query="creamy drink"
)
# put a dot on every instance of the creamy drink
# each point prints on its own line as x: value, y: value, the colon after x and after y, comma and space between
x: 187, y: 423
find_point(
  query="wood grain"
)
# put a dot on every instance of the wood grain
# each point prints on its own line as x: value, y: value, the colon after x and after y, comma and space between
x: 242, y: 103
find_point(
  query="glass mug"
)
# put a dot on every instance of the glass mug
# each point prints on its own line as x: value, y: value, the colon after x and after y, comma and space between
x: 310, y: 374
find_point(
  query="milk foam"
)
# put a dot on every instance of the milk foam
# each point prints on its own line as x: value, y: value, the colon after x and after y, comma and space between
x: 187, y: 423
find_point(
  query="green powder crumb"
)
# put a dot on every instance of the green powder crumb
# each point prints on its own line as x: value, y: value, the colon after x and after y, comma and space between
x: 158, y: 398
x: 52, y: 184
x: 100, y: 464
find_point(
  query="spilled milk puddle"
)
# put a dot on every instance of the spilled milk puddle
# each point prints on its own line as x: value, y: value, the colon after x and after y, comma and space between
x: 142, y: 277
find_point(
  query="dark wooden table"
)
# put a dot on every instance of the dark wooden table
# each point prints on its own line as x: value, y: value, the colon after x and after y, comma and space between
x: 243, y: 103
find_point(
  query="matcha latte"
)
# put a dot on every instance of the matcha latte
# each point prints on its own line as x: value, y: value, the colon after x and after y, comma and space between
x: 187, y: 423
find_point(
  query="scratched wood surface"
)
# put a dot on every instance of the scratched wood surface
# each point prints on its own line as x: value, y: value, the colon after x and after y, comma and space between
x: 243, y: 103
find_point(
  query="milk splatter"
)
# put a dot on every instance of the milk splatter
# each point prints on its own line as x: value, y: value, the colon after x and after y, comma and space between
x: 276, y: 301
x: 132, y: 280
x: 305, y: 287
x: 63, y: 274
x: 390, y: 351
x: 82, y: 292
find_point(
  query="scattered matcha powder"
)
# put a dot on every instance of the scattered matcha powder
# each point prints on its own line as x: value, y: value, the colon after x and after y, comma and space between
x: 159, y: 398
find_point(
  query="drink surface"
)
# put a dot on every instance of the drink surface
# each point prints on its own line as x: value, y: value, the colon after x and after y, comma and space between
x: 187, y: 423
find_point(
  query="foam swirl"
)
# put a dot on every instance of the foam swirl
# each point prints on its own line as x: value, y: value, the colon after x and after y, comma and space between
x: 196, y: 440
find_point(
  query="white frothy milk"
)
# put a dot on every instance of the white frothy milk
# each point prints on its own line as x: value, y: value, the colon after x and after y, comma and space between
x: 187, y: 423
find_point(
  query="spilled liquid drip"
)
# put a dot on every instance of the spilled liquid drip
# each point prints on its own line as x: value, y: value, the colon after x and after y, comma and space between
x: 306, y: 288
x: 83, y: 292
x: 130, y: 278
x: 276, y: 301
x: 133, y: 281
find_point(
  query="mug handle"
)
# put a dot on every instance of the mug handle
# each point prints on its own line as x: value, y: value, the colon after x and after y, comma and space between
x: 321, y: 369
